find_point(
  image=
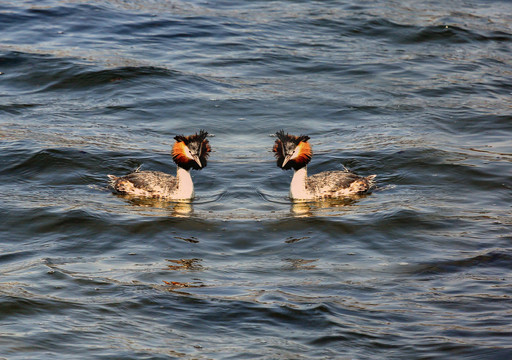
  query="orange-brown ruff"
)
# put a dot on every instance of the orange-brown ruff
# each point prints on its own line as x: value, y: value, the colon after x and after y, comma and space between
x: 188, y: 152
x: 294, y: 152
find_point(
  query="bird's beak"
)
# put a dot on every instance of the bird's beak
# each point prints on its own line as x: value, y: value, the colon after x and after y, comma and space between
x: 196, y: 159
x: 286, y: 159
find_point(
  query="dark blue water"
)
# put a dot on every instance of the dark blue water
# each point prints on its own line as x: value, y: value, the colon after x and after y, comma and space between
x: 417, y: 92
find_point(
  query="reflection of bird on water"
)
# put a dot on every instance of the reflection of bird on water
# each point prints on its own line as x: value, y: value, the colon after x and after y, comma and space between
x: 188, y: 152
x: 294, y: 152
x: 323, y: 207
x: 175, y: 208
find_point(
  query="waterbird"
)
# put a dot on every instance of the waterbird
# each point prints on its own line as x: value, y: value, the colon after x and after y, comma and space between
x: 188, y: 152
x: 294, y: 152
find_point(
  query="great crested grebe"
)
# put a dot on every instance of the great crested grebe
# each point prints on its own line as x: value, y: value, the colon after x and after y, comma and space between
x: 294, y: 152
x: 188, y: 152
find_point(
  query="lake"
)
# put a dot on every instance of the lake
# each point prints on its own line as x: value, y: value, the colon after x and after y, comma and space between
x: 417, y: 92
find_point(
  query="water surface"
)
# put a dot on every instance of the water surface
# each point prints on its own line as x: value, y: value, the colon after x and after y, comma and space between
x: 416, y: 92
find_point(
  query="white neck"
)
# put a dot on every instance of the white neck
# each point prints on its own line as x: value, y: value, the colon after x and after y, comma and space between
x: 185, y: 184
x: 298, y: 184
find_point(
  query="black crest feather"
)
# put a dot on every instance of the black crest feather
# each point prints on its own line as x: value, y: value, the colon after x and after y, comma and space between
x: 196, y: 137
x: 287, y: 137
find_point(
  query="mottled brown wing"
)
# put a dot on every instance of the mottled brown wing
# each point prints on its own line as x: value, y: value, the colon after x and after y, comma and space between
x: 332, y: 180
x: 150, y: 180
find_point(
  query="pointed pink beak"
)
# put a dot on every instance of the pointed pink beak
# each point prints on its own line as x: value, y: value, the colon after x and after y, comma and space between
x: 196, y: 159
x: 286, y: 159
